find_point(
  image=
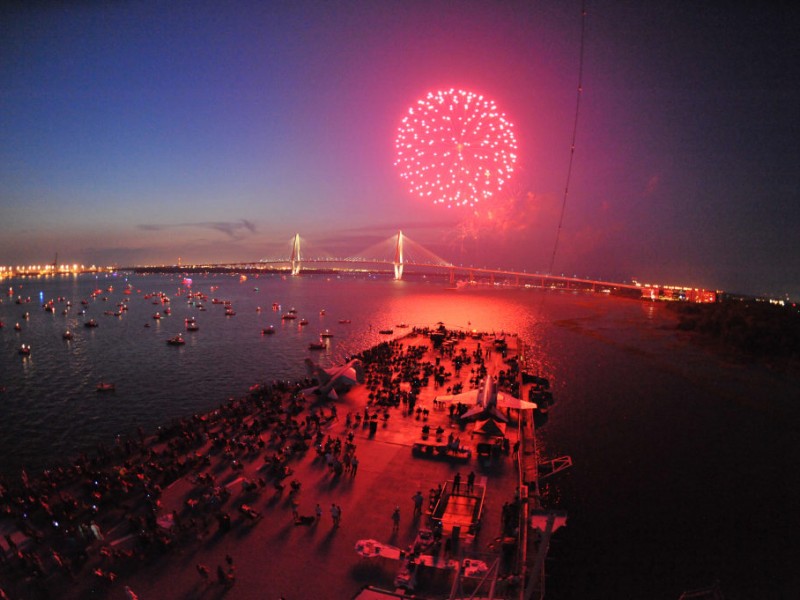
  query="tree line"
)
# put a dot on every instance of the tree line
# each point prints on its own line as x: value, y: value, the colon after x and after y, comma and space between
x: 754, y: 327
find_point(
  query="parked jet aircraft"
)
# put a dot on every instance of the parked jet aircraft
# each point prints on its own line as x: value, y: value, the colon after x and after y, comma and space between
x: 487, y: 401
x: 334, y: 379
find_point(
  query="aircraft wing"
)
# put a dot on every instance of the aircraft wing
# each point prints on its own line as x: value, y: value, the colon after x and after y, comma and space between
x: 503, y: 400
x: 345, y: 375
x: 333, y: 378
x: 470, y: 397
x: 506, y: 401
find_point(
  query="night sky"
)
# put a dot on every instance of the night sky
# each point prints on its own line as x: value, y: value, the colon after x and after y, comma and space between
x: 139, y: 132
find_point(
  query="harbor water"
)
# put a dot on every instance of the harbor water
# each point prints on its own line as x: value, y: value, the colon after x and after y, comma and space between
x: 684, y: 460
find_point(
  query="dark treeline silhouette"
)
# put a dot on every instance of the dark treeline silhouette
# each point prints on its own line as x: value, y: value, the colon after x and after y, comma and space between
x: 753, y: 327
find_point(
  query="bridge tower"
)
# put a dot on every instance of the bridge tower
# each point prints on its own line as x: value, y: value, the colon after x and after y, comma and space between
x: 398, y: 257
x: 296, y: 254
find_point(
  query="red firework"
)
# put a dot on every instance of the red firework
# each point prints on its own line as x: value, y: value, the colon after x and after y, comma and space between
x: 455, y: 148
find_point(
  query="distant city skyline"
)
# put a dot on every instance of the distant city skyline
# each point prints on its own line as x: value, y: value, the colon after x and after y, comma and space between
x: 137, y: 133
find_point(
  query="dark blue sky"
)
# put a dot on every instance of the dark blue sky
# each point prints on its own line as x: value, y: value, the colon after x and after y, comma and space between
x: 138, y: 132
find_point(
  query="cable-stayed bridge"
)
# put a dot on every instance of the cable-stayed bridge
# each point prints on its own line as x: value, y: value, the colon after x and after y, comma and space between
x: 396, y: 252
x: 399, y: 254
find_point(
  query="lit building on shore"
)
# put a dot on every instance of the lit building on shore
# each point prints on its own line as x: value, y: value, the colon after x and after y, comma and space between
x: 9, y: 271
x: 678, y: 293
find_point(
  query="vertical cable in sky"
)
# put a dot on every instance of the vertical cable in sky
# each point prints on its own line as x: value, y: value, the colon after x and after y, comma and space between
x: 574, y: 135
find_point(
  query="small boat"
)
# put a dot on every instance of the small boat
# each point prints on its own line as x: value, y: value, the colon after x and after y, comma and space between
x: 316, y: 346
x: 322, y: 312
x: 303, y: 322
x: 288, y: 316
x: 326, y: 334
x: 402, y: 325
x: 268, y: 330
x: 192, y: 326
x: 293, y: 311
x: 345, y: 321
x: 276, y: 306
x: 157, y: 316
x: 26, y: 315
x: 25, y: 350
x: 176, y: 341
x: 386, y: 331
x: 90, y: 323
x: 17, y: 327
x: 229, y: 312
x: 67, y: 335
x: 105, y: 387
x: 168, y: 311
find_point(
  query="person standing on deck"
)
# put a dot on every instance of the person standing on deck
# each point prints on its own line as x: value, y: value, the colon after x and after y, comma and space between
x: 396, y: 519
x: 417, y: 499
x: 457, y: 484
x: 470, y: 482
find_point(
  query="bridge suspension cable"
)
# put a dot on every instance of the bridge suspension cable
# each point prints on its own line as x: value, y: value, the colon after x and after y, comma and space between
x: 297, y: 250
x: 386, y: 251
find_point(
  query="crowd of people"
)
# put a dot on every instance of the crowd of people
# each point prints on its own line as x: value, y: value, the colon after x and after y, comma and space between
x: 56, y: 524
x: 53, y: 523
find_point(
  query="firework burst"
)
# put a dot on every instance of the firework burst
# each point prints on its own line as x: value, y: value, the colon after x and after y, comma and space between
x: 455, y: 148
